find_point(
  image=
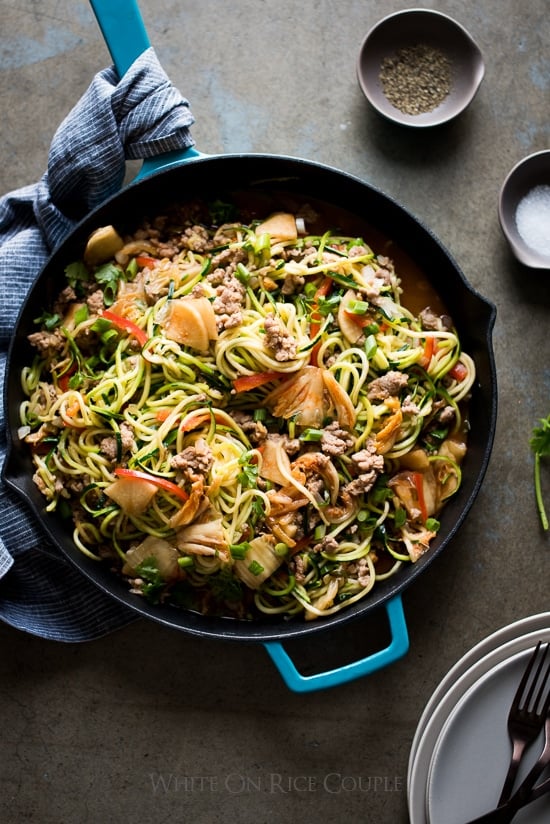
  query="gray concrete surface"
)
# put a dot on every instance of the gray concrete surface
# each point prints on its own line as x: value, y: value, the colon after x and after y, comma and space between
x: 151, y: 725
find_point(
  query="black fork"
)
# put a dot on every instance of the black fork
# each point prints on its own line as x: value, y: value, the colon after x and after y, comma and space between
x: 528, y: 712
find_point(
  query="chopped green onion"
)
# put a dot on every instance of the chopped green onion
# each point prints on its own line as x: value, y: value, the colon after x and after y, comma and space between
x: 262, y: 247
x: 309, y: 435
x: 281, y: 549
x: 255, y: 568
x: 320, y: 532
x: 260, y: 414
x: 185, y: 561
x: 358, y: 307
x: 370, y: 346
x: 101, y: 325
x: 242, y: 274
x: 238, y: 551
x: 81, y: 314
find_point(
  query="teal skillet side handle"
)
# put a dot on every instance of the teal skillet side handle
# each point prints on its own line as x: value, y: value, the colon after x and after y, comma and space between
x: 397, y: 647
x: 126, y: 38
x: 166, y: 160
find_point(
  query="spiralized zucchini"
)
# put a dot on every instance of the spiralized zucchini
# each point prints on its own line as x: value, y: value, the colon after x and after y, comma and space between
x: 245, y: 419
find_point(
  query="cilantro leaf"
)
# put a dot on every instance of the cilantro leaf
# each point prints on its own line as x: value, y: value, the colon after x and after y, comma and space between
x: 248, y: 476
x: 50, y: 321
x: 153, y: 583
x: 76, y: 273
x: 108, y: 276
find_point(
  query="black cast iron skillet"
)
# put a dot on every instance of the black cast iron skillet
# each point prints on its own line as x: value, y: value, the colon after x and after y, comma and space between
x: 192, y: 175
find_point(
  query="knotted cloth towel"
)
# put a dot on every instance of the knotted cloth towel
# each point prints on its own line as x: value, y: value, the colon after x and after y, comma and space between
x: 137, y: 116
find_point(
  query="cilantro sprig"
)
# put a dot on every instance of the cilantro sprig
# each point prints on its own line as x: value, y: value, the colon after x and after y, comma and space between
x: 540, y: 444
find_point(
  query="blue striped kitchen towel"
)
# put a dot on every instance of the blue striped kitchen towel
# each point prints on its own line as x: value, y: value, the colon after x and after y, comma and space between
x: 137, y: 116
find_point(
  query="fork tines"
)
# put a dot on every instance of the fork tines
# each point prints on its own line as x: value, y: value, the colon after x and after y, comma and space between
x: 528, y: 711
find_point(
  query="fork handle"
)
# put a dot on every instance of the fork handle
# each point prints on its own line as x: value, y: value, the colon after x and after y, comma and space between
x: 517, y: 753
x: 506, y: 812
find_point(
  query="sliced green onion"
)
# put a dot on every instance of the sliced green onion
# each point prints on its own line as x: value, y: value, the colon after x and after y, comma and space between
x: 242, y: 274
x: 262, y: 247
x: 358, y: 307
x: 370, y: 346
x: 81, y: 314
x: 320, y: 532
x: 238, y: 551
x: 310, y: 435
x: 255, y: 568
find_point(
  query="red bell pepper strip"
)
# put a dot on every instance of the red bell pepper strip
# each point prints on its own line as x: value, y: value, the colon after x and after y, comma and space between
x: 163, y: 414
x: 247, y: 382
x: 162, y: 483
x: 359, y: 320
x: 458, y: 371
x: 126, y: 325
x: 145, y: 260
x: 63, y: 380
x: 429, y: 349
x: 418, y: 480
x: 316, y: 319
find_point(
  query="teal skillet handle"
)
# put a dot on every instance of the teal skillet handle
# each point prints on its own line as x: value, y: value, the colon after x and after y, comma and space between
x: 398, y: 647
x: 124, y: 33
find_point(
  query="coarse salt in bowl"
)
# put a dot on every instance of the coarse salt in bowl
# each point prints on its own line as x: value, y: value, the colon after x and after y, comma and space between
x: 419, y: 67
x: 524, y: 210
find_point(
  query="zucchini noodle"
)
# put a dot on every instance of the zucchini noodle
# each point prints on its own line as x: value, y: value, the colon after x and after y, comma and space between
x: 242, y: 419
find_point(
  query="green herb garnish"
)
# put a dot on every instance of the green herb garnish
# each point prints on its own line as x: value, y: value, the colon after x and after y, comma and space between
x: 109, y: 276
x: 540, y: 444
x: 153, y: 583
x: 248, y: 476
x: 48, y: 320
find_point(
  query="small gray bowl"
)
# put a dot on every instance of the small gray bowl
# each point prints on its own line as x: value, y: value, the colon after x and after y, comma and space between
x: 531, y: 172
x: 412, y: 29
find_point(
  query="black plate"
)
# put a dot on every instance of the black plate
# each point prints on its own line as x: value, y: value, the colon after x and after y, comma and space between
x: 211, y: 177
